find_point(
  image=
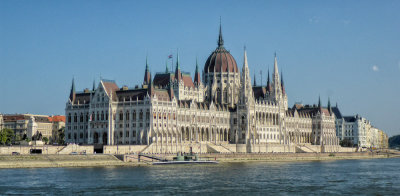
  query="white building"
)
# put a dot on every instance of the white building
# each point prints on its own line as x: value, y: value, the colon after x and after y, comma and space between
x: 221, y: 107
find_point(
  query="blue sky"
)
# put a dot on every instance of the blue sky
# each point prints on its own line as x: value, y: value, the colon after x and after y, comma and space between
x: 345, y: 50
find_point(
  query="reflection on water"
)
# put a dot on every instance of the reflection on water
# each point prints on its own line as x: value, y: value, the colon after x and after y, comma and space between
x: 345, y: 177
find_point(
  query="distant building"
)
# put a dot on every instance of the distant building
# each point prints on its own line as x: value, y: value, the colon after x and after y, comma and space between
x: 30, y: 124
x: 220, y: 107
x: 358, y: 130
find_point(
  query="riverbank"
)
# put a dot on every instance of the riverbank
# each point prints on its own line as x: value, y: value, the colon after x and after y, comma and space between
x: 104, y: 160
x: 38, y: 161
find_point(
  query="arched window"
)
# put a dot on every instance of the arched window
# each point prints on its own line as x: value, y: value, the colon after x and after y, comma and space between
x: 225, y: 96
x: 121, y: 116
x: 75, y: 118
x: 97, y: 116
x: 102, y: 115
x: 81, y: 117
x: 106, y: 115
x: 127, y: 115
x: 141, y: 115
x: 69, y: 118
x: 134, y: 115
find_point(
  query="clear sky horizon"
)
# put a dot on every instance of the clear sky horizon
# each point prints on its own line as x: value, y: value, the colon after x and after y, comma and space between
x: 345, y: 50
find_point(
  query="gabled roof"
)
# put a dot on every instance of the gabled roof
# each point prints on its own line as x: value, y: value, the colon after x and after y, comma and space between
x: 337, y: 112
x: 110, y: 87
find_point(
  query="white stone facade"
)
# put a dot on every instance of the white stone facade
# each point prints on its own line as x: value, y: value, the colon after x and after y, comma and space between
x: 171, y: 109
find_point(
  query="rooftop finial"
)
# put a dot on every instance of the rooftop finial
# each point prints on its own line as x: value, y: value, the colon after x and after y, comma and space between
x: 220, y: 39
x: 166, y: 66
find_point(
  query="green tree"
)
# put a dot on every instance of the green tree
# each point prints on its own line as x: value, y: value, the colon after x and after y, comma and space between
x: 46, y: 140
x: 61, y: 136
x: 6, y: 136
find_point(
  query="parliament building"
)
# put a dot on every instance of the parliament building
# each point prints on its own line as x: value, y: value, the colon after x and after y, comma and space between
x: 217, y: 111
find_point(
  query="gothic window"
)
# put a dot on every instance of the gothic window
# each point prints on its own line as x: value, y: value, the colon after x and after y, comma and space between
x: 69, y: 119
x: 225, y: 96
x: 81, y: 117
x: 147, y: 115
x: 102, y: 115
x: 141, y: 115
x: 121, y: 116
x: 218, y: 94
x: 134, y: 115
x: 127, y: 115
x: 75, y: 118
x: 87, y: 117
x: 98, y: 116
x: 106, y: 115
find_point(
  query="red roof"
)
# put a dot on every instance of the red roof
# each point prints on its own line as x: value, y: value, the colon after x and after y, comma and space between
x: 57, y: 118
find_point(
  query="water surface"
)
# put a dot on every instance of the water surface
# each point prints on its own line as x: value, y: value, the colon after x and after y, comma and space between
x: 342, y: 177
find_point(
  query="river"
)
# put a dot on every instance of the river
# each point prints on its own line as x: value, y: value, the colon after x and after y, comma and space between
x: 341, y: 177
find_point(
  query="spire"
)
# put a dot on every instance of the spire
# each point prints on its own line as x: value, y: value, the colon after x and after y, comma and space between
x: 245, y: 64
x: 276, y: 71
x: 255, y: 82
x: 146, y: 79
x: 220, y: 39
x: 147, y: 64
x: 197, y: 79
x: 178, y: 75
x: 166, y: 66
x: 268, y: 83
x: 319, y: 101
x: 72, y: 94
x: 282, y: 84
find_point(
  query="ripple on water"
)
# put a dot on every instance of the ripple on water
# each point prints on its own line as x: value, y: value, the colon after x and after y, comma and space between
x: 344, y: 177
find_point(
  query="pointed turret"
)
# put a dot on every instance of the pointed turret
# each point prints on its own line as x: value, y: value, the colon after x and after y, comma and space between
x: 255, y: 80
x: 246, y: 89
x: 72, y: 94
x: 178, y: 75
x: 220, y: 39
x: 276, y: 81
x: 276, y: 71
x: 197, y: 78
x: 146, y: 74
x: 319, y: 101
x: 269, y: 87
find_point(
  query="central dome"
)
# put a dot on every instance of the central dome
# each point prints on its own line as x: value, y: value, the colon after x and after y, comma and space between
x: 220, y: 60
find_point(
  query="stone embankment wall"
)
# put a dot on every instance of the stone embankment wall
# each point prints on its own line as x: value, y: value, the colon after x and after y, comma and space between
x: 47, y: 149
x: 123, y: 149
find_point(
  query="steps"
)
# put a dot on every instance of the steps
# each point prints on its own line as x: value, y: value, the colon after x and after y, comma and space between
x: 212, y: 148
x: 304, y: 148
